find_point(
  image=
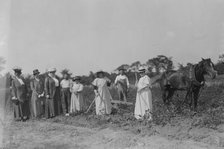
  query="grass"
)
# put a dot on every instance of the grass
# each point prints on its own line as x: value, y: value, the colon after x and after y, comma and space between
x: 174, y: 122
x: 210, y: 111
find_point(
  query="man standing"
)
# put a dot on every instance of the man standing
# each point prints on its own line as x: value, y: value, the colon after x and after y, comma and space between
x: 19, y: 96
x: 122, y: 84
x: 65, y: 93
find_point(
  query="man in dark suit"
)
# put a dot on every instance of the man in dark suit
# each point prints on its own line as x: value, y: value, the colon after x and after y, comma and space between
x: 19, y: 96
x: 52, y: 92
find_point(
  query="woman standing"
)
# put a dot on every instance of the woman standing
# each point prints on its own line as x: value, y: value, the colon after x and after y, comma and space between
x: 19, y: 96
x: 37, y: 87
x: 143, y: 105
x: 102, y: 94
x: 52, y: 91
x: 77, y: 102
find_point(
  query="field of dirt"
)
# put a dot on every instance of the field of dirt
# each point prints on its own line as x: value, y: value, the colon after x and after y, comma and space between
x: 173, y: 127
x: 81, y: 133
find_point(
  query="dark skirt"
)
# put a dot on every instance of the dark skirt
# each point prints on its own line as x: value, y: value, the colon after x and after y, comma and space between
x: 57, y: 102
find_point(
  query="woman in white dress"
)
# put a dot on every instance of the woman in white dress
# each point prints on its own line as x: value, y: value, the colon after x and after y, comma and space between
x: 77, y: 102
x: 143, y: 105
x: 102, y: 94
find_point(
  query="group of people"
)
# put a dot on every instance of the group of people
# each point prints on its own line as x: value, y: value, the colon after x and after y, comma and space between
x: 52, y: 96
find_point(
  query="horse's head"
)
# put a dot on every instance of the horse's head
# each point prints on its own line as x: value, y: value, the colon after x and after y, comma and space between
x: 208, y: 67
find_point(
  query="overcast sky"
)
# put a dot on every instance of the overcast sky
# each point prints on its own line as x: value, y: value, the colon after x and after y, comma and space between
x: 88, y: 35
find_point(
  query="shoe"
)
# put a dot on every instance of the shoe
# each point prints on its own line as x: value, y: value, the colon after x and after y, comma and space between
x: 67, y: 114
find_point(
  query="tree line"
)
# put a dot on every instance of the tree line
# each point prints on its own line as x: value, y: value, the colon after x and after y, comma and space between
x: 154, y: 67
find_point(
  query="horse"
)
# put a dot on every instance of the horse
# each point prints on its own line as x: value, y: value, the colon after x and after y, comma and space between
x: 190, y: 79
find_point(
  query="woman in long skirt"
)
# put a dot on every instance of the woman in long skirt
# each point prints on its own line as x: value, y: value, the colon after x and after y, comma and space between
x: 102, y: 94
x: 37, y: 87
x: 77, y: 102
x: 19, y: 96
x: 52, y: 92
x: 143, y: 105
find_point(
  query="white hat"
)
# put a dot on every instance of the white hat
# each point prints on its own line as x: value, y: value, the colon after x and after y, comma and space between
x: 52, y: 70
x: 17, y: 68
x: 141, y: 69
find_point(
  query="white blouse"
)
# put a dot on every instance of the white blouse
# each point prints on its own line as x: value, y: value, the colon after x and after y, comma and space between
x: 56, y: 82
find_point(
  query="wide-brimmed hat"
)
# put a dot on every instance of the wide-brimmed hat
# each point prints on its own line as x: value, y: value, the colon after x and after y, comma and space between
x: 65, y: 72
x: 100, y: 71
x: 121, y: 68
x: 76, y: 78
x: 141, y: 69
x: 17, y: 69
x: 52, y: 70
x: 36, y: 71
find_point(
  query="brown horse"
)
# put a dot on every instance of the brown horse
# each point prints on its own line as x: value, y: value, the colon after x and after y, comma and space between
x: 190, y: 79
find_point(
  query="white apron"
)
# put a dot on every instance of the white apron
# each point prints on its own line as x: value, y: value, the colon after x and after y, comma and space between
x: 143, y: 98
x: 77, y: 102
x: 103, y: 101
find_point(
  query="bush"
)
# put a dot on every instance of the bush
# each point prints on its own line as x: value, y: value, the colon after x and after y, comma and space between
x: 219, y: 67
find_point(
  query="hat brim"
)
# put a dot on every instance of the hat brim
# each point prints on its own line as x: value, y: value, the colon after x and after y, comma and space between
x: 36, y: 73
x: 121, y: 69
x: 17, y: 70
x: 99, y: 72
x: 51, y: 71
x: 142, y: 70
x: 74, y: 79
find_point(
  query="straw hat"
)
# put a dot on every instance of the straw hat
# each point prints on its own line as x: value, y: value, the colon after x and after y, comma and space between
x: 17, y: 69
x: 52, y: 70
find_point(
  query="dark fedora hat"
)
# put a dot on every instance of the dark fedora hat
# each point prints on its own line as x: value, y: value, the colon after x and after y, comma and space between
x: 99, y: 72
x: 36, y: 71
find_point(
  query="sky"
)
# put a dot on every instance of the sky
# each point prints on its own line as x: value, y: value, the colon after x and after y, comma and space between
x: 91, y: 35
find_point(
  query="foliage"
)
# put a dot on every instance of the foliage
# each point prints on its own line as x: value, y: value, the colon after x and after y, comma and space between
x: 221, y: 58
x: 134, y: 66
x: 124, y: 66
x: 66, y: 71
x: 160, y: 63
x: 219, y: 67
